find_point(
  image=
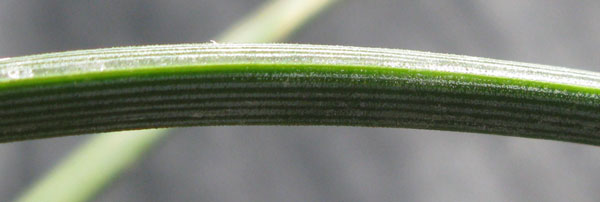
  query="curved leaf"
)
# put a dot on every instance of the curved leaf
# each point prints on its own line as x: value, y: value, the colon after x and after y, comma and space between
x: 126, y: 88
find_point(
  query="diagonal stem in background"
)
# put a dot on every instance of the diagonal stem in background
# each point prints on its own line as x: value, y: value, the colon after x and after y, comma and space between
x: 93, y: 165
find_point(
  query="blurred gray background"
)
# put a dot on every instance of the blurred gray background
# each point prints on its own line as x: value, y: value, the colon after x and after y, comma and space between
x: 326, y: 163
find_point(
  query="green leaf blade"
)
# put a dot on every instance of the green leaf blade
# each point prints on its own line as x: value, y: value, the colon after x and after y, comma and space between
x: 293, y: 84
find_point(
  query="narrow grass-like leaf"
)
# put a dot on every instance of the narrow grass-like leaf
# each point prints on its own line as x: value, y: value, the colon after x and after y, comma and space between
x: 293, y: 84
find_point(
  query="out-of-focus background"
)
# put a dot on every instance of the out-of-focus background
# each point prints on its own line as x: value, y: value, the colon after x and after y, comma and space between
x: 277, y: 163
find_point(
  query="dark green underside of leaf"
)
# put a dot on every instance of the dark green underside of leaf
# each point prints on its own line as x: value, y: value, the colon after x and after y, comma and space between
x: 296, y: 95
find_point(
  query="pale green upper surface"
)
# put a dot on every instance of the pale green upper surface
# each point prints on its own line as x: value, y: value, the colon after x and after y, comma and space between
x: 130, y: 58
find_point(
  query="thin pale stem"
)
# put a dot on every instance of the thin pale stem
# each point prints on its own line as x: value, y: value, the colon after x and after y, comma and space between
x: 89, y: 168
